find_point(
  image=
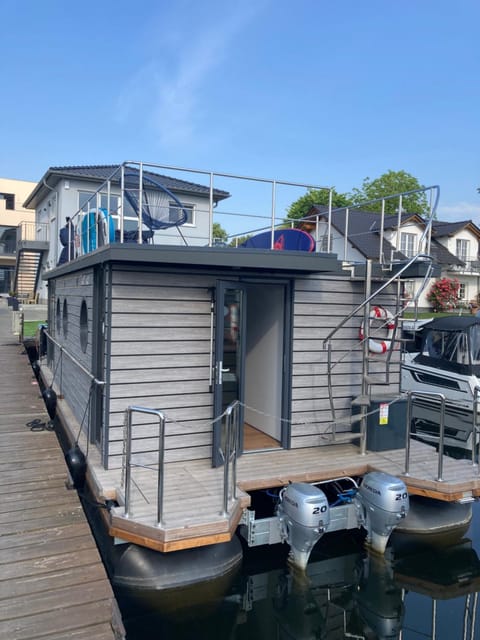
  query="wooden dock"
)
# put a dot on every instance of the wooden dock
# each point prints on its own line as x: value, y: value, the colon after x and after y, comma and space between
x: 53, y: 584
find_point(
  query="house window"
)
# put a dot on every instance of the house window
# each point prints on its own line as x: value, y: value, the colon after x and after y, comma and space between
x: 58, y: 317
x: 174, y: 213
x: 84, y: 326
x: 407, y: 244
x: 65, y: 318
x: 463, y: 249
x: 462, y: 291
x: 88, y: 200
x: 9, y: 200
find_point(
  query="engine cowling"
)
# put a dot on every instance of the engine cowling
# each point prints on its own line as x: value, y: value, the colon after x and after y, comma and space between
x: 304, y: 517
x: 382, y: 501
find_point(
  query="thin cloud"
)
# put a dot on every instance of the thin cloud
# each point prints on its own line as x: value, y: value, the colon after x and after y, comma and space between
x: 460, y: 211
x: 167, y: 91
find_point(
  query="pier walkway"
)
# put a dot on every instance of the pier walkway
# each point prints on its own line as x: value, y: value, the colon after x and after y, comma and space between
x: 53, y: 585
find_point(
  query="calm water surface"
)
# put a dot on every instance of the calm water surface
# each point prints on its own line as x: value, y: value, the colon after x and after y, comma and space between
x: 414, y: 593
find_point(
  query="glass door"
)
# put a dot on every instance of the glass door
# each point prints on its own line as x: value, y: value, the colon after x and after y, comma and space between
x: 229, y: 357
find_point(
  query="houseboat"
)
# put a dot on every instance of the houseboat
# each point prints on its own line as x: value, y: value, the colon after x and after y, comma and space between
x: 211, y: 391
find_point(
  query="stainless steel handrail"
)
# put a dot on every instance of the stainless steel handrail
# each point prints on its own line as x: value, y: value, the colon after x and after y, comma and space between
x: 475, y: 425
x: 128, y: 459
x: 62, y: 349
x: 232, y: 415
x: 411, y: 396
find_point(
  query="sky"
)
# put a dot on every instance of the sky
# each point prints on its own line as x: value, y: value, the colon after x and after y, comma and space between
x: 322, y: 92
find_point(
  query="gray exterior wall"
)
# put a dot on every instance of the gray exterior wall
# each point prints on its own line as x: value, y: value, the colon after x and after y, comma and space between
x: 160, y: 356
x: 321, y: 303
x: 158, y: 325
x: 70, y: 380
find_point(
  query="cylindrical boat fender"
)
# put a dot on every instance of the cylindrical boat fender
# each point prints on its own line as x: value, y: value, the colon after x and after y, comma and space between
x: 50, y: 399
x: 77, y: 465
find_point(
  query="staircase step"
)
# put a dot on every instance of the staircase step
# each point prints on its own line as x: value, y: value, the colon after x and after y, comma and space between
x: 376, y: 381
x: 347, y: 436
x: 361, y: 401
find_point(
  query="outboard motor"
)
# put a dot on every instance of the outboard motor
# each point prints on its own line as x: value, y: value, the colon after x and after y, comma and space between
x: 382, y: 501
x: 304, y: 517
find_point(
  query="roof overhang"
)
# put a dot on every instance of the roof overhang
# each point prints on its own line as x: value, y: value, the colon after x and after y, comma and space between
x: 225, y: 258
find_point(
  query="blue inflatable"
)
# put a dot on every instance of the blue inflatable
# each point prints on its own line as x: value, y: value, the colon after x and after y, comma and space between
x: 283, y: 240
x: 97, y: 230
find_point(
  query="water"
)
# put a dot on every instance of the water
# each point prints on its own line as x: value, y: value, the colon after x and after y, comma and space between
x: 415, y: 592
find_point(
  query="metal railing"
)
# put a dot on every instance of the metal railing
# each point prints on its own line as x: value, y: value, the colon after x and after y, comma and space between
x: 229, y: 454
x: 71, y: 357
x: 128, y: 459
x: 33, y: 232
x: 110, y: 204
x: 437, y: 397
x: 230, y: 424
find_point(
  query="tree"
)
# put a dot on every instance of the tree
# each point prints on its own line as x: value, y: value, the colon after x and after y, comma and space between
x: 219, y: 232
x: 301, y: 207
x: 390, y: 183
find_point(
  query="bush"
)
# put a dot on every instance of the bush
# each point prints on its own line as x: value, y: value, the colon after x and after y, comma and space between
x: 443, y: 294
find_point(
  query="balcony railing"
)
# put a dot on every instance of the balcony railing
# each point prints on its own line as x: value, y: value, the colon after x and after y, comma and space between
x: 32, y: 232
x: 471, y: 265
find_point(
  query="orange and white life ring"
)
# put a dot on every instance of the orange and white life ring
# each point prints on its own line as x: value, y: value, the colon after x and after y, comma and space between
x: 375, y: 345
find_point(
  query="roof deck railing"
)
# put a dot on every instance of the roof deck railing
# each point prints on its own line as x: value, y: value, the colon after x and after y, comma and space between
x: 107, y: 216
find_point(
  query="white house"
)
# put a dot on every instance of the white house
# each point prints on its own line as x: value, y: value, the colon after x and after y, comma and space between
x: 86, y: 189
x: 357, y: 236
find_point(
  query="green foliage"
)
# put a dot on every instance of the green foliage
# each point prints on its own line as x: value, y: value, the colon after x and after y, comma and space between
x: 444, y: 294
x: 238, y: 240
x: 390, y: 183
x: 219, y: 232
x: 300, y: 208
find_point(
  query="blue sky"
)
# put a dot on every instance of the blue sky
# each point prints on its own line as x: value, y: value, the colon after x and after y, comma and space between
x: 314, y: 91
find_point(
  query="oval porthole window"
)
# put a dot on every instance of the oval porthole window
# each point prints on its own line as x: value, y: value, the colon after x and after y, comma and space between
x: 58, y: 316
x: 83, y: 326
x: 65, y: 318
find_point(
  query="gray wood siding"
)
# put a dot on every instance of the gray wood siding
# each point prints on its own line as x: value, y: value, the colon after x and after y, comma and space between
x: 69, y: 379
x: 159, y: 324
x: 320, y: 303
x: 160, y: 357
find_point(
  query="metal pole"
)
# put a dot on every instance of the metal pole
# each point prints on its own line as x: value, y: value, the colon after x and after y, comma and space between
x: 441, y: 437
x: 366, y: 340
x: 226, y: 461
x: 345, y: 239
x: 407, y: 430
x: 128, y: 455
x: 210, y: 212
x: 272, y: 238
x: 161, y: 457
x: 475, y: 424
x: 140, y: 203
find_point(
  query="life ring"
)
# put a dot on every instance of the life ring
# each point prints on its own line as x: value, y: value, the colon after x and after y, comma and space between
x: 375, y: 345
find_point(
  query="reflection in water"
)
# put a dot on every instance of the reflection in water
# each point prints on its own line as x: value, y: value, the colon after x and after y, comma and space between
x: 412, y: 593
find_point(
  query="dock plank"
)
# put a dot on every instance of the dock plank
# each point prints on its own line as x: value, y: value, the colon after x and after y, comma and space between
x: 53, y: 584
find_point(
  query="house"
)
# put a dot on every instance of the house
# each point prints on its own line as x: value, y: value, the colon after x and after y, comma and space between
x: 12, y: 213
x: 74, y: 190
x: 358, y: 235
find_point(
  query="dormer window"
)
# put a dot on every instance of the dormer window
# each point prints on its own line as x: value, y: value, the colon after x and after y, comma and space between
x: 407, y: 244
x: 463, y: 249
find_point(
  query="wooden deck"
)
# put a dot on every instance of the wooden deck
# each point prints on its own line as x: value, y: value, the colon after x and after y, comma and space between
x: 193, y: 491
x: 53, y: 584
